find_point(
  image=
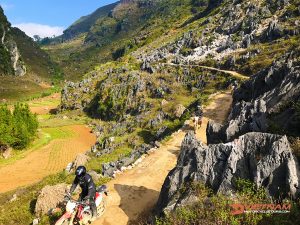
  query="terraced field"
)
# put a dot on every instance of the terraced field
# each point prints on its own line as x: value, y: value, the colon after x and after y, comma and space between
x: 48, y: 159
x: 59, y: 141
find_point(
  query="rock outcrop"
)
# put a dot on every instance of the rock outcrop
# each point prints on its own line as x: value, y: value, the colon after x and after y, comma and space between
x: 50, y: 198
x: 109, y: 169
x: 265, y: 159
x: 269, y: 91
x: 11, y: 61
x: 80, y: 160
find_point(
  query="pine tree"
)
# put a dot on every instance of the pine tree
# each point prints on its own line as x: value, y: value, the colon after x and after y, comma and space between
x: 17, y: 128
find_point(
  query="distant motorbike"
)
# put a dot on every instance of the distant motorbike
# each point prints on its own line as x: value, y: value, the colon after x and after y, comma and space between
x: 79, y: 213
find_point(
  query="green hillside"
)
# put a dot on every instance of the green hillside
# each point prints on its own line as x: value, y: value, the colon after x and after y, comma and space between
x: 116, y: 30
x: 25, y: 70
x: 138, y: 70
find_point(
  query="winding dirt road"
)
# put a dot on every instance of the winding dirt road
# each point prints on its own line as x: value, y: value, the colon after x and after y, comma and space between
x: 136, y: 191
x: 232, y: 73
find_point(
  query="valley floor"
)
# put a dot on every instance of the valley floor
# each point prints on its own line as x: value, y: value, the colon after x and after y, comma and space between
x: 136, y: 191
x: 60, y: 140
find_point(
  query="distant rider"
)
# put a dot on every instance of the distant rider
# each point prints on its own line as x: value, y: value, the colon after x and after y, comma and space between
x: 198, y: 117
x: 88, y: 188
x: 235, y: 86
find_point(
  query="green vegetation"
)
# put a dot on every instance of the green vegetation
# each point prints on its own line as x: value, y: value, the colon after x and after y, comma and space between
x: 110, y: 34
x: 213, y: 208
x: 5, y: 66
x: 17, y: 128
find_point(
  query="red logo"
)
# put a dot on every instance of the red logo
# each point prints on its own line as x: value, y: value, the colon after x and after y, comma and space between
x: 238, y: 208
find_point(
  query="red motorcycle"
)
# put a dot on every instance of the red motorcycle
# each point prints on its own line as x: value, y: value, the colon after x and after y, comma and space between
x: 80, y: 213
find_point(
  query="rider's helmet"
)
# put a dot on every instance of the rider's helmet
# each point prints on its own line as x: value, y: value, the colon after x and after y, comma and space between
x: 80, y: 171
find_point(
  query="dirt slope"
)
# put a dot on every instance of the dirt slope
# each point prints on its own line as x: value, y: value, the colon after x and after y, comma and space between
x: 136, y: 191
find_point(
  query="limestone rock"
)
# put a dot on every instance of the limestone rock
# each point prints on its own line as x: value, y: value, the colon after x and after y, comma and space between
x: 179, y: 110
x: 7, y: 153
x: 50, y: 197
x: 94, y: 175
x: 80, y: 160
x: 265, y: 159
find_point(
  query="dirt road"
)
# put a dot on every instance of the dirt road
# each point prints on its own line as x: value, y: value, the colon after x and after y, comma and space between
x: 232, y: 73
x: 136, y: 191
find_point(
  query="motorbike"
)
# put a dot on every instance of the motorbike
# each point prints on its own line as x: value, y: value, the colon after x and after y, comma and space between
x: 80, y: 213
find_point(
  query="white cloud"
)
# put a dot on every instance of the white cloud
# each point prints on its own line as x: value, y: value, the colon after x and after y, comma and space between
x: 39, y: 29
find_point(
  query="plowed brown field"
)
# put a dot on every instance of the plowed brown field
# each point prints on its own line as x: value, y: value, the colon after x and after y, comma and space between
x: 47, y: 160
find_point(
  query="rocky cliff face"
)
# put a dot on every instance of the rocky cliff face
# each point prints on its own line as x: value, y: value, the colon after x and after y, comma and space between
x: 247, y: 146
x: 10, y: 55
x: 248, y: 152
x: 262, y: 158
x: 266, y: 93
x: 241, y: 149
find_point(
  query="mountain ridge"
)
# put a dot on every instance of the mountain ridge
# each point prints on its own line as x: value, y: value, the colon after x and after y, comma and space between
x: 25, y: 67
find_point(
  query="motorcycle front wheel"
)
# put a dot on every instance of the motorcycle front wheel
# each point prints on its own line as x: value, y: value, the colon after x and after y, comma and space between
x: 101, y: 208
x: 64, y: 222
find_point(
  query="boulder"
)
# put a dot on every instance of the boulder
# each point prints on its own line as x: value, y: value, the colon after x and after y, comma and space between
x: 50, y: 197
x: 13, y: 198
x: 69, y: 167
x: 35, y: 221
x: 80, y: 160
x: 179, y: 110
x: 265, y: 159
x: 274, y: 31
x: 7, y: 153
x: 96, y: 176
x: 162, y: 132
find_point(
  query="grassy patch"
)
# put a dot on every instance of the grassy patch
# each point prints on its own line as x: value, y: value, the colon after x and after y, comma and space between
x: 96, y: 163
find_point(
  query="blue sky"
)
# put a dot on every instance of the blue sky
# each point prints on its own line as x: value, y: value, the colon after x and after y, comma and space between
x: 48, y: 17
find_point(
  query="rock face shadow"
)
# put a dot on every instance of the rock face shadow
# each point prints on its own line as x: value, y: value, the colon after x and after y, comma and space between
x: 174, y: 151
x: 134, y: 198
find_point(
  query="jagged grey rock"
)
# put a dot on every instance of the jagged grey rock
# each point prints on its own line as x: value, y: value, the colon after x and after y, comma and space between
x: 245, y: 117
x: 96, y: 176
x: 108, y: 169
x: 265, y: 159
x: 265, y: 93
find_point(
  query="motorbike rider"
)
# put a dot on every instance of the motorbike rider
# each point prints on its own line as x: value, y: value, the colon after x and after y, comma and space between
x: 88, y: 188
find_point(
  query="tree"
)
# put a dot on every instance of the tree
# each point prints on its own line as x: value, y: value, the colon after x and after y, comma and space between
x: 17, y: 128
x: 37, y: 38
